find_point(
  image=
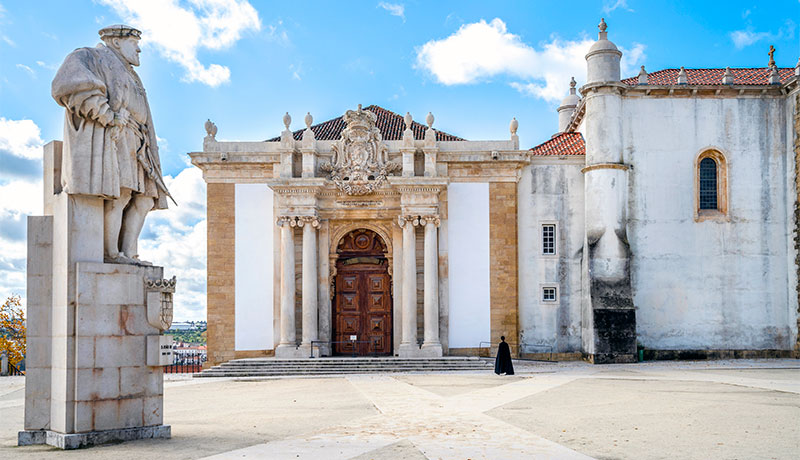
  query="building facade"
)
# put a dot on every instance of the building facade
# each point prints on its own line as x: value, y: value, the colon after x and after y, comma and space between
x: 662, y: 214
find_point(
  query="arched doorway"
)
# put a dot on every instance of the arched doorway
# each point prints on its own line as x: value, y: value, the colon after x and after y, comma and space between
x: 362, y: 304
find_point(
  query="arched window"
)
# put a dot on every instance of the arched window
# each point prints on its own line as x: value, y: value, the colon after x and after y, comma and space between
x: 711, y: 186
x: 708, y: 184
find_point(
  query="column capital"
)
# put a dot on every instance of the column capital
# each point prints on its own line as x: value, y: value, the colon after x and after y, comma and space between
x: 431, y: 219
x: 403, y: 220
x: 313, y: 221
x: 290, y: 221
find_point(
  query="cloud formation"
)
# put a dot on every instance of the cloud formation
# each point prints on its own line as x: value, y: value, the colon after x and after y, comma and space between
x: 480, y: 51
x: 178, y: 32
x: 20, y: 196
x: 609, y: 6
x: 176, y: 239
x: 746, y: 37
x: 395, y: 9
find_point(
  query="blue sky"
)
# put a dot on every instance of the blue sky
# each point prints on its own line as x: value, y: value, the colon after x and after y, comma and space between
x: 474, y: 65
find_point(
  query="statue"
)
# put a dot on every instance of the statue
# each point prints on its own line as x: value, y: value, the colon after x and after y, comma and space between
x: 110, y: 145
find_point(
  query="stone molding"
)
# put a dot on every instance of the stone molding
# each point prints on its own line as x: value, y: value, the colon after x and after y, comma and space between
x: 593, y: 167
x: 310, y: 220
x: 432, y: 219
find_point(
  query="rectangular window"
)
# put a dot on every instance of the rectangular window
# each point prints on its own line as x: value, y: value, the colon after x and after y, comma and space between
x: 548, y: 294
x: 549, y: 239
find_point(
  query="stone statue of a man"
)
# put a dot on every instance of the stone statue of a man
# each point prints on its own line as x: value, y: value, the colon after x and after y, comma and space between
x: 109, y: 142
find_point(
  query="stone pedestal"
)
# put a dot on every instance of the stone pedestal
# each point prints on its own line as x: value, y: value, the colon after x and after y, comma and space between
x: 88, y: 380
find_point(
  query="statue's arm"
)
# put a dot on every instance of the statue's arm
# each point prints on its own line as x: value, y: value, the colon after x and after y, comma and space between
x: 78, y: 86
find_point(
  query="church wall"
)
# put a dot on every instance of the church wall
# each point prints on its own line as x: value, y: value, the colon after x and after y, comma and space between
x: 468, y: 262
x: 503, y: 263
x: 550, y: 192
x: 254, y: 228
x: 718, y: 283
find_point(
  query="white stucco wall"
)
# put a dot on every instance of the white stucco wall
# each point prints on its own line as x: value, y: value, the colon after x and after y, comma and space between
x: 550, y: 191
x: 468, y: 261
x: 254, y: 227
x: 711, y: 284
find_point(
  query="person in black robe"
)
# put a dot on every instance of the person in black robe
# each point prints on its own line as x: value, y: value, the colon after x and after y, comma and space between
x: 502, y: 364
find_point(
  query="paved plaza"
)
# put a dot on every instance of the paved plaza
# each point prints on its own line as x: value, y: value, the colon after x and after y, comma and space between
x: 744, y: 409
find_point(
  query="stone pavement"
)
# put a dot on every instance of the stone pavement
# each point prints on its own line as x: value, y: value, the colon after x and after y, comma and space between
x: 720, y: 409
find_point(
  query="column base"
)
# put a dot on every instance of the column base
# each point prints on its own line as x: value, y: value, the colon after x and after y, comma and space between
x: 92, y: 438
x: 431, y: 350
x: 290, y: 351
x: 408, y: 350
x: 318, y: 350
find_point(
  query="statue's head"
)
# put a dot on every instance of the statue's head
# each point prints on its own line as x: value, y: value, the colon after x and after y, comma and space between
x: 124, y: 39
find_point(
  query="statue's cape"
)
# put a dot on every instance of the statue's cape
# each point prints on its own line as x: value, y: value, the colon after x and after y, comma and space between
x: 91, y: 85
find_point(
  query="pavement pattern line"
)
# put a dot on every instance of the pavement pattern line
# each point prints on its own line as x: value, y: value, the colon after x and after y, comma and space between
x: 440, y: 427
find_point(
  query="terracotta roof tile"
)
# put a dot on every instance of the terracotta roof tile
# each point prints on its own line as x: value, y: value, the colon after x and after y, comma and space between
x: 391, y: 125
x: 561, y: 144
x: 752, y: 76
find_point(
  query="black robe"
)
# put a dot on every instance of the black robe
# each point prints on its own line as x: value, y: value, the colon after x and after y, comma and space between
x: 503, y: 362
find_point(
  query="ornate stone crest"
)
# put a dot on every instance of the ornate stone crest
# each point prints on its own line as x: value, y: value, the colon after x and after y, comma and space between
x: 159, y: 302
x: 359, y: 165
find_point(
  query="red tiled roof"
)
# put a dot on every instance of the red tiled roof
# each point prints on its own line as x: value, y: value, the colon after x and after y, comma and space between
x: 759, y: 76
x: 391, y: 125
x: 562, y: 144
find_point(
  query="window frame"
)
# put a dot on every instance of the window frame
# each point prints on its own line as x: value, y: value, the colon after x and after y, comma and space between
x: 555, y: 289
x: 721, y: 213
x: 542, y: 225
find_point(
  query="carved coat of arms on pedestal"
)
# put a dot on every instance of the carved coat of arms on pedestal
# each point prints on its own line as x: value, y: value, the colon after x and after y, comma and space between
x: 360, y: 160
x: 159, y: 302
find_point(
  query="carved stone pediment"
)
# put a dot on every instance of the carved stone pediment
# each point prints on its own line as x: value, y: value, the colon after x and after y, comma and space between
x: 360, y: 160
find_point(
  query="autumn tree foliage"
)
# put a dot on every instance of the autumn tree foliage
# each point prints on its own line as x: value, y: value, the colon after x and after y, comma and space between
x: 12, y: 329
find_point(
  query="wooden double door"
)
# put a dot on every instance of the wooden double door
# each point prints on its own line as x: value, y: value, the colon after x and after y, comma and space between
x: 362, y: 304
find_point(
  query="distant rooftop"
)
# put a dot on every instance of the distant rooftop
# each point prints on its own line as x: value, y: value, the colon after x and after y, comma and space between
x: 748, y: 76
x: 391, y: 125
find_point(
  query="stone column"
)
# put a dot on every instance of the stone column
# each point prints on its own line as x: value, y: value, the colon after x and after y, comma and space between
x: 287, y: 346
x: 431, y: 346
x: 408, y: 344
x: 310, y: 326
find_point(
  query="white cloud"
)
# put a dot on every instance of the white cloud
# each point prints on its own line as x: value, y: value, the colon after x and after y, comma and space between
x: 609, y: 6
x: 481, y: 50
x: 395, y: 9
x: 20, y: 196
x: 179, y: 32
x: 746, y: 37
x: 176, y: 239
x: 27, y: 69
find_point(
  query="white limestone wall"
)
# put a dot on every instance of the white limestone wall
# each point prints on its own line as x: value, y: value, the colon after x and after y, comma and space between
x: 468, y: 262
x: 254, y: 226
x: 550, y: 191
x: 711, y: 284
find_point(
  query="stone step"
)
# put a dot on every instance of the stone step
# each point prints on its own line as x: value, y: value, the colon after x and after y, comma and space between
x: 264, y: 367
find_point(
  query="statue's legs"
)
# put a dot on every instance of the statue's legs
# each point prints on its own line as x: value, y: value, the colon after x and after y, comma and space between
x: 132, y: 223
x: 112, y: 222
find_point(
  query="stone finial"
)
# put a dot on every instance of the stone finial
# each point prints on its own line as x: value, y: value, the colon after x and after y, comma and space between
x: 309, y: 119
x: 603, y: 35
x: 727, y: 77
x: 572, y: 85
x: 774, y: 78
x: 408, y: 119
x: 643, y: 77
x: 771, y: 54
x: 513, y: 126
x: 797, y: 68
x: 287, y: 120
x: 211, y: 129
x: 429, y: 120
x: 683, y: 79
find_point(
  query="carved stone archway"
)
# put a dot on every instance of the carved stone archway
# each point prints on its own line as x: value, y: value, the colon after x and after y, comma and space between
x: 338, y: 229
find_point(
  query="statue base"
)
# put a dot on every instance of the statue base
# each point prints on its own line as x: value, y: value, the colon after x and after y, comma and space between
x: 92, y: 438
